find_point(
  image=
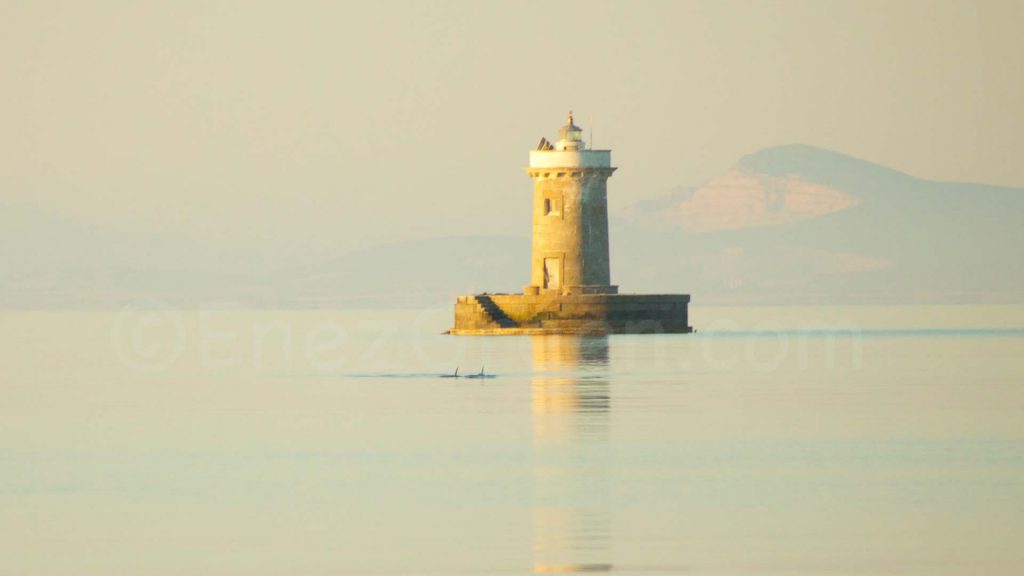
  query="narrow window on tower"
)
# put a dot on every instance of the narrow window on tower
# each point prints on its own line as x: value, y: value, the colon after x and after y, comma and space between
x: 547, y: 206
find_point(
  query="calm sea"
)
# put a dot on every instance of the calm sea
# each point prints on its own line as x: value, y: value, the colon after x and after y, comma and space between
x: 856, y: 440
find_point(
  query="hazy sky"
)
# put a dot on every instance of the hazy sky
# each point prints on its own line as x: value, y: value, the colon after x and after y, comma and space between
x: 305, y: 129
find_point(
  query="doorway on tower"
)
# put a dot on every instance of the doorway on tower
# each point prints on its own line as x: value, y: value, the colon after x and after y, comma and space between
x: 552, y: 273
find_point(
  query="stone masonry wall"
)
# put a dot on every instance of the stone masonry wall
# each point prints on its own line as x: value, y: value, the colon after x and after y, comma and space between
x: 611, y: 313
x: 570, y: 222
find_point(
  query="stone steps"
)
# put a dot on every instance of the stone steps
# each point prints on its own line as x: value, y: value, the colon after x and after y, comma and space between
x: 494, y: 312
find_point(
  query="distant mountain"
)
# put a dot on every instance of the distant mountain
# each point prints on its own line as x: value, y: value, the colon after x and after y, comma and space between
x: 411, y: 274
x: 416, y: 274
x: 790, y: 224
x: 802, y: 224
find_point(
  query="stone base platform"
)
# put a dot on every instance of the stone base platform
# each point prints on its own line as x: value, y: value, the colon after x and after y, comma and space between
x: 525, y: 314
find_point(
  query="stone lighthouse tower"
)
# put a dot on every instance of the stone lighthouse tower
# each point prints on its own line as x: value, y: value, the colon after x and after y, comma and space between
x: 570, y: 290
x: 570, y: 216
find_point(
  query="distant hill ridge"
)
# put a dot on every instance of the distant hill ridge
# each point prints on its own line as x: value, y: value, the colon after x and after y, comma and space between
x: 790, y: 224
x: 818, y: 164
x: 793, y: 223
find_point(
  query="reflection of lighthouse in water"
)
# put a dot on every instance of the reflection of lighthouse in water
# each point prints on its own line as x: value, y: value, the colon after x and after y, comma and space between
x: 571, y: 518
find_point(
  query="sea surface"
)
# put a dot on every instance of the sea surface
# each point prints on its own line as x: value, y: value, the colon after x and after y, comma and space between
x: 828, y: 440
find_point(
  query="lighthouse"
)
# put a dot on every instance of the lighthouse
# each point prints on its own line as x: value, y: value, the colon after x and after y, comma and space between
x: 570, y: 216
x: 570, y: 289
